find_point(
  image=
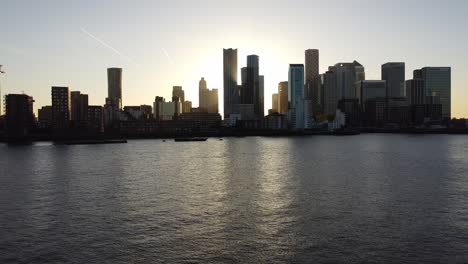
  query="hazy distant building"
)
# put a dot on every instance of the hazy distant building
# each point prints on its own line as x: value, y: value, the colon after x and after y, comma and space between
x: 114, y: 86
x: 187, y: 107
x: 202, y: 93
x: 274, y: 103
x: 157, y: 107
x: 283, y: 98
x: 208, y: 99
x: 231, y: 91
x: 369, y: 89
x: 179, y: 92
x: 260, y: 100
x: 296, y: 96
x: 312, y: 79
x: 19, y: 115
x: 79, y: 108
x: 170, y: 110
x: 60, y: 107
x: 394, y: 74
x: 438, y: 82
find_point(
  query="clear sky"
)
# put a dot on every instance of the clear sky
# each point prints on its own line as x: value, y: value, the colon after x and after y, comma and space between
x: 160, y: 44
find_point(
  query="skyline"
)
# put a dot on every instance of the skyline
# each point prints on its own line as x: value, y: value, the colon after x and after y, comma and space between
x: 155, y: 59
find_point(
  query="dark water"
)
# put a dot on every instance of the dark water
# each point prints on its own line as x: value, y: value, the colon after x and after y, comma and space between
x: 369, y: 198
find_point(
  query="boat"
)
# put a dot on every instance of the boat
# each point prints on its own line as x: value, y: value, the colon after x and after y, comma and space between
x: 188, y: 139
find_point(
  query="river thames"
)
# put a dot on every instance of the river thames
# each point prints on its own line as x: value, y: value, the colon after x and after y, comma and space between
x: 321, y: 199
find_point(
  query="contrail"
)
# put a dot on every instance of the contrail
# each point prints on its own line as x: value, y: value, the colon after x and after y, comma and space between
x: 109, y: 47
x: 167, y: 55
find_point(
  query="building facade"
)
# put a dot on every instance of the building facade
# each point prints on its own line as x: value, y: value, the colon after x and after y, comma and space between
x: 231, y: 91
x: 312, y: 79
x: 60, y: 107
x: 296, y: 96
x: 283, y: 98
x: 394, y: 74
x: 19, y: 115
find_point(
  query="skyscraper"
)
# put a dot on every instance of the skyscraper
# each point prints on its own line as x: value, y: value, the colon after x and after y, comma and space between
x: 252, y: 86
x: 312, y: 79
x: 113, y: 105
x: 370, y: 89
x: 179, y: 92
x: 202, y: 93
x: 438, y: 82
x: 415, y: 94
x: 231, y: 91
x: 331, y: 92
x: 157, y: 107
x: 114, y: 86
x: 60, y: 107
x: 260, y: 100
x: 347, y: 74
x: 283, y: 97
x: 394, y: 74
x: 208, y: 99
x: 296, y: 96
x: 274, y: 103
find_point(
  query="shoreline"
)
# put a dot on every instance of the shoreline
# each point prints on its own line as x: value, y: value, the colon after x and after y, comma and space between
x: 110, y: 139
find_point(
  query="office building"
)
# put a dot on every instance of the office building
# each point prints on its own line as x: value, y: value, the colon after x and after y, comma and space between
x: 95, y: 118
x: 394, y: 74
x: 60, y: 107
x: 252, y: 86
x: 437, y: 82
x: 347, y: 74
x: 44, y: 117
x: 177, y: 91
x: 157, y: 106
x: 283, y: 98
x: 274, y: 103
x: 186, y: 106
x: 231, y: 90
x: 369, y: 89
x: 415, y: 94
x: 260, y: 100
x: 19, y: 115
x: 331, y: 92
x: 202, y: 93
x: 312, y: 79
x: 79, y: 108
x: 296, y: 96
x: 167, y: 110
x: 114, y: 86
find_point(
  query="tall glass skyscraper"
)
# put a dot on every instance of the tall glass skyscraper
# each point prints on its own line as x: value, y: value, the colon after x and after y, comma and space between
x: 114, y: 86
x: 312, y: 79
x: 296, y: 96
x: 394, y: 74
x: 437, y: 82
x: 231, y: 91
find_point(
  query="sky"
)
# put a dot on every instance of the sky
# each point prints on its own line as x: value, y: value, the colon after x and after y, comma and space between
x: 160, y: 44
